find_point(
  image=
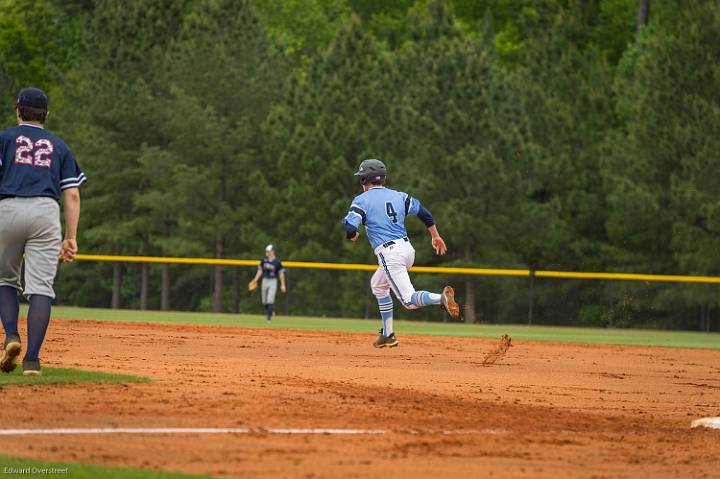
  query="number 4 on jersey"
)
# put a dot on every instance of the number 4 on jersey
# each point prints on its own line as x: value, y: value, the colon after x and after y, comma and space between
x: 392, y: 214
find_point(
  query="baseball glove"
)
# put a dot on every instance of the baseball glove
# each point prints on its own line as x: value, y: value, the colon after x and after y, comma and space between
x: 252, y: 286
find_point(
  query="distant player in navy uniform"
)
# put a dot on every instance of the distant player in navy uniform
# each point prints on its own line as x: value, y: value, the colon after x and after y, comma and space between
x: 383, y: 211
x: 36, y: 168
x: 270, y: 268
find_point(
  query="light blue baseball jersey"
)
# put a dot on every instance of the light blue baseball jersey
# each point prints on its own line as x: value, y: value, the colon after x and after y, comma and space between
x: 383, y: 213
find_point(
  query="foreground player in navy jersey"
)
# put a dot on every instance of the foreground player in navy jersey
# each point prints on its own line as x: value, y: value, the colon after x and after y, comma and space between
x: 36, y: 168
x: 383, y: 212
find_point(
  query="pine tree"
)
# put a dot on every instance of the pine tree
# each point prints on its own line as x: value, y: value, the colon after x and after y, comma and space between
x: 330, y: 119
x: 224, y: 73
x: 110, y: 114
x: 467, y: 134
x: 687, y: 52
x: 7, y: 87
x: 566, y: 86
x: 661, y: 165
x: 303, y: 27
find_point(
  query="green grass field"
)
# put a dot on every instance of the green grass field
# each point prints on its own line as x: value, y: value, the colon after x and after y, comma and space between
x: 18, y: 467
x: 629, y: 337
x: 67, y: 375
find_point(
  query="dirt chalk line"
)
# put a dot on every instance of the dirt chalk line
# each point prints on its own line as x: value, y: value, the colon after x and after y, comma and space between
x: 187, y: 430
x: 232, y: 430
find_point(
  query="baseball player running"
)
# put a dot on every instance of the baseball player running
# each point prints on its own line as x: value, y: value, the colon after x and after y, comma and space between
x: 270, y: 268
x: 36, y: 167
x: 383, y: 213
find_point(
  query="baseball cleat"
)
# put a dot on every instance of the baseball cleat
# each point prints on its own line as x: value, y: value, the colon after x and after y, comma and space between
x: 383, y: 341
x: 448, y: 302
x: 31, y: 367
x: 11, y: 351
x: 378, y: 342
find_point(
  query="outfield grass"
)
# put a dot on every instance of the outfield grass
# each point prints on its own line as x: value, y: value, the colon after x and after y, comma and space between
x: 630, y: 337
x: 67, y: 375
x: 18, y: 467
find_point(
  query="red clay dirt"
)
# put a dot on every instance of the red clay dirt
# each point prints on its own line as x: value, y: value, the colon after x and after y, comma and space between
x: 545, y: 410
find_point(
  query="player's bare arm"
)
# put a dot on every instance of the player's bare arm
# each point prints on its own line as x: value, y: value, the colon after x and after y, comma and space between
x: 257, y: 275
x: 282, y: 281
x: 253, y: 282
x: 438, y: 243
x: 71, y: 210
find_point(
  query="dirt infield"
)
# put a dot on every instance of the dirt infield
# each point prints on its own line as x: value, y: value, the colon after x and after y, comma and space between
x: 544, y: 410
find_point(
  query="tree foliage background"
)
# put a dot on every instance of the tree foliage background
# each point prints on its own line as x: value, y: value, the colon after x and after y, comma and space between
x: 542, y: 134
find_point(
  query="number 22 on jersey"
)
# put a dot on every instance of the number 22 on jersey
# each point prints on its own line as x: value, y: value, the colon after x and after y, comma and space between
x: 43, y: 149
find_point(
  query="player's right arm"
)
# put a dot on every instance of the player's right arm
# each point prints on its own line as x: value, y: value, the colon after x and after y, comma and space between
x: 354, y: 218
x: 258, y: 273
x: 71, y: 178
x: 252, y: 285
x: 3, y: 147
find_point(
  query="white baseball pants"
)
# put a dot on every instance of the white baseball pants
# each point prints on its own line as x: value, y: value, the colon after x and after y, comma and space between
x: 392, y: 273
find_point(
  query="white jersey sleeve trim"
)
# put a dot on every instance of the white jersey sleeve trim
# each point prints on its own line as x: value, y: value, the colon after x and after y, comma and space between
x: 73, y: 180
x: 73, y: 185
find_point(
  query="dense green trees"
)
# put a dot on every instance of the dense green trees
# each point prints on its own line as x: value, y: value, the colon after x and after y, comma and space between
x: 6, y: 85
x: 224, y: 75
x: 332, y: 115
x: 549, y: 134
x: 664, y: 154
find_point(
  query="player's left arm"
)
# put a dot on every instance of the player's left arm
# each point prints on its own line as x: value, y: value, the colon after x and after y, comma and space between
x: 282, y: 278
x: 71, y: 178
x: 71, y: 209
x: 413, y: 207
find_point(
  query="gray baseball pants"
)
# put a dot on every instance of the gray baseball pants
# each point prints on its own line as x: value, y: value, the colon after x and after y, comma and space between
x: 269, y: 290
x: 30, y: 227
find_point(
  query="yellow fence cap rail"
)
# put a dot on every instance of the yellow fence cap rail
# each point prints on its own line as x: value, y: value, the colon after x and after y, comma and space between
x: 163, y: 259
x: 629, y: 277
x: 416, y: 269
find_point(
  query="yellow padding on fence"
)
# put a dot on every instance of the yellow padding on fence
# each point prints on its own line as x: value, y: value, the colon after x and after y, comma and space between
x: 298, y: 264
x: 416, y: 269
x: 161, y: 259
x: 629, y: 277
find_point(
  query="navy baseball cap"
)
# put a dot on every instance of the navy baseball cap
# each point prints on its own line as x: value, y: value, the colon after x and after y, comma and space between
x: 32, y: 97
